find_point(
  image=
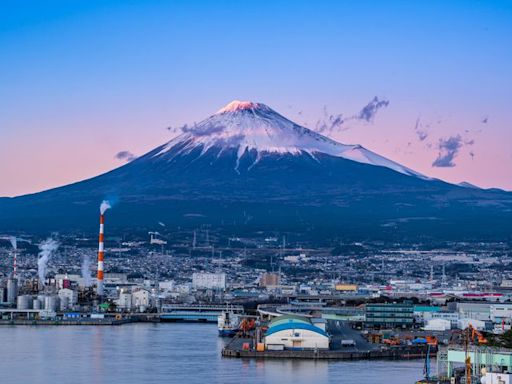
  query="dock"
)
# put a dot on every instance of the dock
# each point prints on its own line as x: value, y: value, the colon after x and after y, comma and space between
x: 234, y: 349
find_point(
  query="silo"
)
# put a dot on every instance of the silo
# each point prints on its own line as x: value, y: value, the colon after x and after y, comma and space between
x: 3, y: 295
x: 12, y: 290
x: 36, y: 304
x: 64, y: 303
x: 24, y: 302
x: 52, y: 303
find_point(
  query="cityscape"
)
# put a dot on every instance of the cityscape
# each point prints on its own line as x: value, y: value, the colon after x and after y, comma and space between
x: 225, y: 191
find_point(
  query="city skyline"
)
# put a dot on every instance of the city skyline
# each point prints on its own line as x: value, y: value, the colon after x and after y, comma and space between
x: 86, y: 86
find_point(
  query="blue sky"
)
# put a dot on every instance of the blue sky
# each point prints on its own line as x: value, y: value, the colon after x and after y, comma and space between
x: 83, y: 80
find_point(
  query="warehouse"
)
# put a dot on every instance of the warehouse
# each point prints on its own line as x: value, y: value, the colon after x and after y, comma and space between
x: 295, y: 332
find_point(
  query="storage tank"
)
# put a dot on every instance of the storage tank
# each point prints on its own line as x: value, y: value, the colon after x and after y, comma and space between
x: 64, y: 303
x: 41, y: 298
x: 52, y: 303
x: 36, y: 304
x: 12, y: 290
x: 24, y: 302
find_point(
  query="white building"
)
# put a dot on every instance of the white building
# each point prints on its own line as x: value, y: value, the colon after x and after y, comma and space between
x: 125, y: 300
x: 477, y: 324
x: 477, y: 311
x: 438, y: 325
x: 209, y: 280
x: 166, y: 285
x: 141, y: 299
x: 68, y: 296
x: 295, y: 332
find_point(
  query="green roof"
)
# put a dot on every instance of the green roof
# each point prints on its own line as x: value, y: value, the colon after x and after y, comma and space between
x: 288, y: 319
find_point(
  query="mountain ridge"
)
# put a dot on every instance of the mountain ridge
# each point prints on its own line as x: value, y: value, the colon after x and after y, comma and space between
x: 193, y: 180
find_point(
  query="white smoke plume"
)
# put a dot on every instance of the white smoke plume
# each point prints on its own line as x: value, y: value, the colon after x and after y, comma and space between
x: 14, y: 242
x: 86, y: 271
x: 105, y: 204
x: 47, y: 248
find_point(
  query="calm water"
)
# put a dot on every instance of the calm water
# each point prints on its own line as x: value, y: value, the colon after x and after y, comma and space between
x: 160, y: 353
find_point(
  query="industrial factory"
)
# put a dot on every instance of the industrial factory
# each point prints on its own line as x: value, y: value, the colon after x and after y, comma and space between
x: 270, y: 298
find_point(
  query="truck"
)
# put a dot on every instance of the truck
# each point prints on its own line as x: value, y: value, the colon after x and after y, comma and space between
x: 348, y: 343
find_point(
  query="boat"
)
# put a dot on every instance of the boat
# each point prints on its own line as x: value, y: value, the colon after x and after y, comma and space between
x: 228, y: 323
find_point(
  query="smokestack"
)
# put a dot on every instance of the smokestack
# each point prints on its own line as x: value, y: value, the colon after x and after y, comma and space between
x: 101, y: 247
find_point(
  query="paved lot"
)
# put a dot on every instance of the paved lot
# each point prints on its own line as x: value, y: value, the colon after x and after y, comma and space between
x: 340, y: 330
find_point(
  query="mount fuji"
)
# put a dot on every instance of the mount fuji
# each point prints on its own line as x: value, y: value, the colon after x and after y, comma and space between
x: 248, y: 168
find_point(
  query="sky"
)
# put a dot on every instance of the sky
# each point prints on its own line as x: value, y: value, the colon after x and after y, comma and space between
x: 425, y: 83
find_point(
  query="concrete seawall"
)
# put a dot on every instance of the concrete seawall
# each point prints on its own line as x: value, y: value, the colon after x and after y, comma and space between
x: 398, y: 353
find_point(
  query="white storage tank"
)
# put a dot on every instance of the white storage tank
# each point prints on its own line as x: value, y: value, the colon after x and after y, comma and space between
x: 52, y: 303
x: 64, y: 303
x: 36, y: 304
x: 24, y: 302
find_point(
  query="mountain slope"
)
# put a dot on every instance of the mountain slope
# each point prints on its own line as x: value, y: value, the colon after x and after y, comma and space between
x: 247, y: 168
x: 254, y: 127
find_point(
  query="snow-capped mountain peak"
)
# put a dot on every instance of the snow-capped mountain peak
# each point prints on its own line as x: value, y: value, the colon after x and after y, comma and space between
x: 237, y: 105
x: 247, y: 126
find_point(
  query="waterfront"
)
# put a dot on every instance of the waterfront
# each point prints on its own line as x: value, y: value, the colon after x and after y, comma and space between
x: 157, y: 353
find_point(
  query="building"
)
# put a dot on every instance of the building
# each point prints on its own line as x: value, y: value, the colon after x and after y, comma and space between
x: 501, y: 313
x: 476, y: 311
x: 166, y: 285
x: 116, y: 278
x: 295, y: 332
x: 452, y: 317
x: 68, y: 297
x: 498, y: 360
x: 341, y: 287
x: 209, y: 280
x: 65, y: 280
x: 438, y: 325
x: 270, y: 280
x: 390, y: 315
x: 141, y: 299
x: 125, y: 300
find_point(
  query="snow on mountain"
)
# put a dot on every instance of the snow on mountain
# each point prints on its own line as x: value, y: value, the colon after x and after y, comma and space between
x: 248, y: 126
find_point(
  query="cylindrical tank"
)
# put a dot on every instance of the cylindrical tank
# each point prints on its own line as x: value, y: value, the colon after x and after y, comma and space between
x: 36, y: 304
x: 51, y: 303
x: 12, y: 290
x: 24, y: 302
x: 64, y: 303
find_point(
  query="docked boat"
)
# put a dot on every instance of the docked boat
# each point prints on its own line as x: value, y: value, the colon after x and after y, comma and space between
x: 228, y: 323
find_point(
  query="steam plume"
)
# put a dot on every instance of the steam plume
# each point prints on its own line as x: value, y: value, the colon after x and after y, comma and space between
x: 105, y: 204
x: 46, y: 248
x: 14, y: 242
x: 86, y: 271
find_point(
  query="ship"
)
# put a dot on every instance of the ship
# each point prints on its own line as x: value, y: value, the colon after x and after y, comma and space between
x: 228, y: 323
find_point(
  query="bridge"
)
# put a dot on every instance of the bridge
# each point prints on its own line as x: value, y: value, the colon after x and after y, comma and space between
x: 198, y: 313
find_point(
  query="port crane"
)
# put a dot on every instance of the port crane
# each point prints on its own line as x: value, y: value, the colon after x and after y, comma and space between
x: 471, y: 334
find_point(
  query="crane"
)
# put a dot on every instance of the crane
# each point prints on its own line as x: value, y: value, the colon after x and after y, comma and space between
x: 426, y: 369
x: 471, y: 333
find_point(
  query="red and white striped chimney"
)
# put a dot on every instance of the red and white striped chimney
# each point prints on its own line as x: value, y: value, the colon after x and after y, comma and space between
x: 101, y: 254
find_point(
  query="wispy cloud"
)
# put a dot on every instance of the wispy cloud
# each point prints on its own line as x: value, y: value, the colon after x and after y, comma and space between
x: 337, y: 122
x: 448, y: 150
x: 420, y: 131
x: 330, y: 123
x: 125, y: 156
x: 370, y: 110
